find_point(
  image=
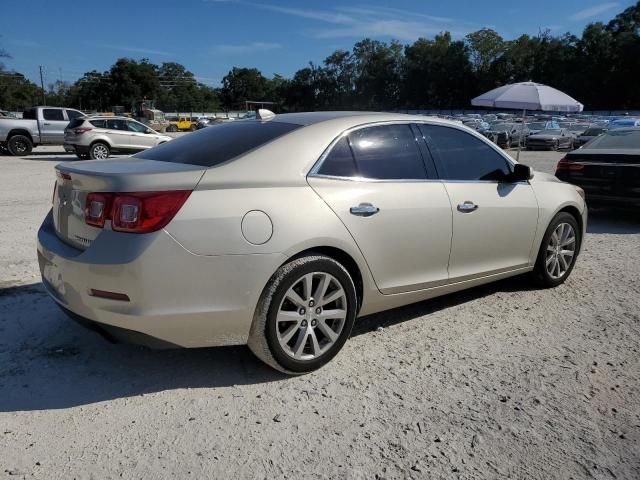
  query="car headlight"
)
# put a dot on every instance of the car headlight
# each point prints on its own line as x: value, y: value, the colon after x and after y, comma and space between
x: 580, y: 192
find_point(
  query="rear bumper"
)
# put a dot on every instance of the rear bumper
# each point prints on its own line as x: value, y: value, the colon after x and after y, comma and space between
x: 176, y: 297
x: 73, y: 148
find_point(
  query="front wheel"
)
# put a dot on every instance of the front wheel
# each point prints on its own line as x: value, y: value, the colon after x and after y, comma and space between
x: 559, y: 250
x: 305, y: 315
x: 99, y: 151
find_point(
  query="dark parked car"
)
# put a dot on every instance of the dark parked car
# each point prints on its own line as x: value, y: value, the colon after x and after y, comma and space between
x: 589, y: 134
x: 607, y: 168
x: 551, y: 139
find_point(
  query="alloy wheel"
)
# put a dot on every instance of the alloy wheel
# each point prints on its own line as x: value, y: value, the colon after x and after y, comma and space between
x: 561, y: 250
x: 311, y: 316
x: 100, y: 152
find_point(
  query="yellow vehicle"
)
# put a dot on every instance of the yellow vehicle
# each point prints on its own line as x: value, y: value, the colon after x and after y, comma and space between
x: 183, y: 124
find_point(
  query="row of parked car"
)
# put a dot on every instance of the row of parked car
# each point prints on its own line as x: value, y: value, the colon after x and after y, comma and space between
x: 544, y: 131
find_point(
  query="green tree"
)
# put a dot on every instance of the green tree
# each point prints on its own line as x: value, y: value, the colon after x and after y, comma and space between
x: 242, y: 84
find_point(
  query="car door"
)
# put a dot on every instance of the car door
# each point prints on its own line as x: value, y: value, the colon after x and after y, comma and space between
x: 118, y: 134
x: 494, y: 221
x: 377, y: 182
x: 52, y: 125
x: 140, y: 139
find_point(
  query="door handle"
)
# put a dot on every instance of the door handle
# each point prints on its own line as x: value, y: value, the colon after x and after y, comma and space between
x: 46, y: 123
x: 364, y: 210
x: 467, y: 207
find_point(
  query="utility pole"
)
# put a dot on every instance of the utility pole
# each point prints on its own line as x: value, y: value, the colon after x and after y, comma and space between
x: 44, y: 100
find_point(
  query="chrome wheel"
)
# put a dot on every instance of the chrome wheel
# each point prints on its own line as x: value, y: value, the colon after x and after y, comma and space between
x: 100, y: 152
x: 311, y: 316
x: 561, y: 250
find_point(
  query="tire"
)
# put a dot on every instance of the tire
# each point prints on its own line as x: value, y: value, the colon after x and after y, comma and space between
x: 172, y: 128
x: 99, y: 151
x: 193, y: 127
x: 545, y: 261
x: 19, y: 145
x: 299, y: 344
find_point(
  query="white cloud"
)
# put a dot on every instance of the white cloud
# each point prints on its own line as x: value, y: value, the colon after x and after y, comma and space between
x: 123, y: 48
x: 373, y: 21
x: 593, y: 11
x: 247, y: 48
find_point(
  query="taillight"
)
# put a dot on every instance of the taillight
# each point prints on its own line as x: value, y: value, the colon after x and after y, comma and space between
x: 134, y: 212
x: 81, y: 130
x: 97, y: 208
x: 53, y: 195
x: 567, y: 164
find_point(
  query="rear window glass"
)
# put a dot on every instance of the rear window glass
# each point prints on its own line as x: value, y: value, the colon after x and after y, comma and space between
x: 53, y: 114
x: 616, y: 139
x: 75, y: 123
x: 29, y: 114
x: 218, y: 144
x: 98, y: 123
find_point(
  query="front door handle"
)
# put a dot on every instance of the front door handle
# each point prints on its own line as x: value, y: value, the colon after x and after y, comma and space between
x: 364, y: 210
x: 467, y: 207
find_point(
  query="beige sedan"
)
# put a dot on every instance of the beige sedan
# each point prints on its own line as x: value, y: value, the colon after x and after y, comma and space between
x: 279, y: 232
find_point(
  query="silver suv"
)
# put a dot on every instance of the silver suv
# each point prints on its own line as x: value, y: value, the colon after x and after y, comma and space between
x: 98, y: 137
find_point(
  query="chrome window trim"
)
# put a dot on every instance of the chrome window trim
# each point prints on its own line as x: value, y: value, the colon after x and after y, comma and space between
x: 313, y: 172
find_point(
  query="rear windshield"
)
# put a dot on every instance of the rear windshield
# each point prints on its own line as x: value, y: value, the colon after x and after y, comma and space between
x: 29, y: 114
x: 75, y: 123
x: 218, y: 144
x: 617, y: 139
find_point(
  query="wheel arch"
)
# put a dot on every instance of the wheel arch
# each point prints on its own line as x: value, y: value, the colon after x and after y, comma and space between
x: 100, y: 140
x: 20, y: 131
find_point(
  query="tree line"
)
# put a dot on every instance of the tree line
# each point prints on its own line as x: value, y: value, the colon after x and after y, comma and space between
x: 601, y: 68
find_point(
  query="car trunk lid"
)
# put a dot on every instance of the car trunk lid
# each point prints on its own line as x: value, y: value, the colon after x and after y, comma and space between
x: 75, y: 180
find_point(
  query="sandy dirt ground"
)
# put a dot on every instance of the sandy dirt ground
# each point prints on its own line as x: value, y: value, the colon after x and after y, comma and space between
x: 501, y: 381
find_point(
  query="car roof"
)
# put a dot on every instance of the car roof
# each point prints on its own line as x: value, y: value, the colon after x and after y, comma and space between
x: 310, y: 118
x: 109, y: 117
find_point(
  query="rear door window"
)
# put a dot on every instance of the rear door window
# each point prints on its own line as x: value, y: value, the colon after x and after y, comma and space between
x: 339, y: 162
x: 387, y: 152
x: 53, y: 114
x: 218, y: 144
x: 116, y: 124
x: 98, y: 123
x: 382, y: 152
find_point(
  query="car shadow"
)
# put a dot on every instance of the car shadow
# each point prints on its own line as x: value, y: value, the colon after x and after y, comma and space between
x: 392, y: 317
x: 49, y: 362
x: 619, y: 222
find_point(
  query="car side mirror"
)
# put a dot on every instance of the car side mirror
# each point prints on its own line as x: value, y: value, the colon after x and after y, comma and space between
x: 521, y: 173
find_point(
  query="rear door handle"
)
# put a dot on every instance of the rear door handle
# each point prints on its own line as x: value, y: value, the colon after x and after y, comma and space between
x: 467, y: 207
x: 364, y: 210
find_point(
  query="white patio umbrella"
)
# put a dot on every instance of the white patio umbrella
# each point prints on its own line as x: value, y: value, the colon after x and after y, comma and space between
x: 528, y: 96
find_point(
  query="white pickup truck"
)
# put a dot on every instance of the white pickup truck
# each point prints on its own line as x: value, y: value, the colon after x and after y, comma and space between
x: 38, y: 126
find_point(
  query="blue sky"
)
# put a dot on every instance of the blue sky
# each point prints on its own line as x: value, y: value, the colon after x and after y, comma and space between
x: 277, y: 36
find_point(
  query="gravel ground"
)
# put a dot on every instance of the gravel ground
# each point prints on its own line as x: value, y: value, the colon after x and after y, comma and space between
x: 498, y: 381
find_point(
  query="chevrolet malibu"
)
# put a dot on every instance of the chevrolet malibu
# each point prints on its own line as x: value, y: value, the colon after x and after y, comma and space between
x: 278, y: 232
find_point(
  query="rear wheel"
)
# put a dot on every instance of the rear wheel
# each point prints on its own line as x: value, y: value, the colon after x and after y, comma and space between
x: 19, y: 145
x: 305, y: 315
x: 172, y: 128
x: 99, y: 151
x: 558, y: 252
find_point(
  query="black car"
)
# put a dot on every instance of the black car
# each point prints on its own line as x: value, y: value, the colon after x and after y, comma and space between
x: 607, y: 168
